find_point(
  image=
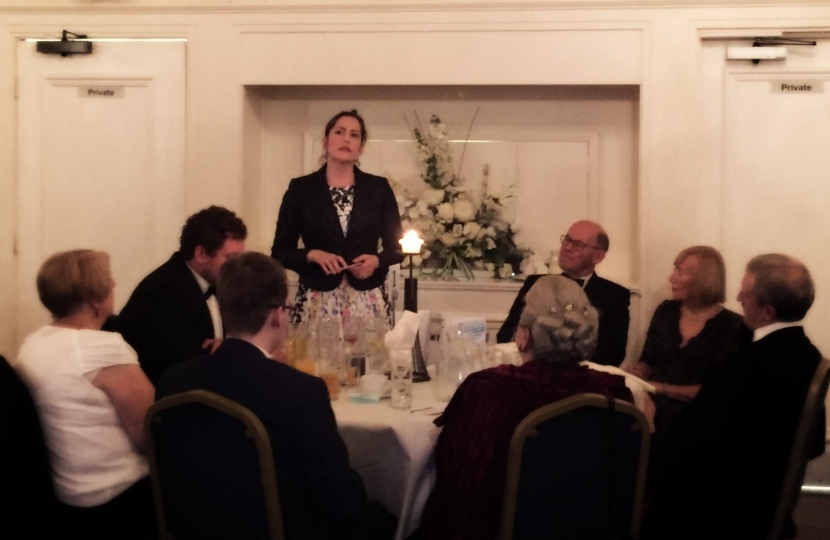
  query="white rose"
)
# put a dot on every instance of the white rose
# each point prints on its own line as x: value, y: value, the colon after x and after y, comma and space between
x: 458, y: 230
x: 490, y: 267
x: 426, y: 254
x: 448, y: 239
x: 491, y: 244
x: 417, y: 260
x: 471, y: 229
x: 445, y: 212
x: 414, y: 213
x: 506, y: 271
x: 490, y: 231
x: 464, y: 210
x: 472, y: 252
x: 433, y: 197
x: 422, y: 207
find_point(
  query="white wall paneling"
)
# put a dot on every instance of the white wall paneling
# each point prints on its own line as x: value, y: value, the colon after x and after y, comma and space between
x: 102, y: 160
x: 568, y: 157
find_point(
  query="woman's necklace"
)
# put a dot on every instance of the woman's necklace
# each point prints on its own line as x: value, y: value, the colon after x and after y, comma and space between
x: 702, y: 314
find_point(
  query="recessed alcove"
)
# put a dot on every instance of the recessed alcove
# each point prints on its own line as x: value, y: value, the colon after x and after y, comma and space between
x: 571, y: 151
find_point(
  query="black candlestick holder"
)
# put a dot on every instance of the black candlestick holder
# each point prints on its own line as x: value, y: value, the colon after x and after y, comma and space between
x: 410, y: 303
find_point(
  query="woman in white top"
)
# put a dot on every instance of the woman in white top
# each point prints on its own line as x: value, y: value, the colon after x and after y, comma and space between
x: 92, y: 397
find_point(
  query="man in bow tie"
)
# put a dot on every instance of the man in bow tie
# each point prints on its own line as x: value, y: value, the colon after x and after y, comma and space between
x: 172, y: 314
x: 583, y: 248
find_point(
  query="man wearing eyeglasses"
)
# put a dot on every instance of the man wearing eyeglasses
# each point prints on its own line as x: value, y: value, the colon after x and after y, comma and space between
x: 321, y: 496
x: 583, y: 248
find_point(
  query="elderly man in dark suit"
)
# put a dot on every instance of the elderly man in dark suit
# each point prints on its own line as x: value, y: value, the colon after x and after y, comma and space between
x: 172, y: 314
x: 718, y: 472
x: 583, y: 248
x: 320, y: 494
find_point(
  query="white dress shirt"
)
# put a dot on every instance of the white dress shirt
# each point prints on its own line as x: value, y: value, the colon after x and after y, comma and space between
x: 213, y: 305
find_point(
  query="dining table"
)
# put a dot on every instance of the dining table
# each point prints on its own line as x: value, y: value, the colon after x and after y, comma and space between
x: 393, y: 450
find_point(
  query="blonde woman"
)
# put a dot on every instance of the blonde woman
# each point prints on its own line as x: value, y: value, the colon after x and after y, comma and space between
x: 92, y: 397
x: 689, y: 333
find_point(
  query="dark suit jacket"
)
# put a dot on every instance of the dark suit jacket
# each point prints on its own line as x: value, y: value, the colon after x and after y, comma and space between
x: 717, y: 473
x: 308, y: 212
x: 610, y: 299
x: 320, y: 493
x: 166, y: 319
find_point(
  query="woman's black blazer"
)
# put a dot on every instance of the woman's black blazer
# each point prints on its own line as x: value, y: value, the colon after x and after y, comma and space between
x: 308, y: 212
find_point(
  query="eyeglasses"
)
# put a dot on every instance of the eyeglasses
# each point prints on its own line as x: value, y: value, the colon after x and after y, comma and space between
x: 576, y: 244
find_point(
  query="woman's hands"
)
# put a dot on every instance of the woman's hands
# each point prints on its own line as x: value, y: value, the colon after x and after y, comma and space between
x: 329, y: 262
x: 362, y: 267
x: 366, y: 266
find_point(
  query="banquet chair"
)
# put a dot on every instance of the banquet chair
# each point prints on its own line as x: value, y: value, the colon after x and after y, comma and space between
x: 28, y: 504
x: 811, y: 417
x: 576, y: 469
x: 212, y: 470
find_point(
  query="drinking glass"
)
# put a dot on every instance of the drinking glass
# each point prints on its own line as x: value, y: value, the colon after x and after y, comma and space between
x: 352, y: 328
x: 331, y: 377
x: 296, y: 345
x: 401, y: 365
x: 376, y: 355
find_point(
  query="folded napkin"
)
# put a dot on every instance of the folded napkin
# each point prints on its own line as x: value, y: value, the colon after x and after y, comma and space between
x: 404, y: 333
x: 629, y: 378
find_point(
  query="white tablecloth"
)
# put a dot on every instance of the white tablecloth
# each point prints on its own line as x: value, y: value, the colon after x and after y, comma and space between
x: 393, y: 451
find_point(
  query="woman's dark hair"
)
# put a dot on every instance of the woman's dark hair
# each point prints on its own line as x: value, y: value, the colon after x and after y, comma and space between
x: 352, y: 114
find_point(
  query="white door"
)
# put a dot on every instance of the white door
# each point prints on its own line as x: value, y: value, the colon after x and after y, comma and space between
x: 101, y: 160
x: 770, y: 147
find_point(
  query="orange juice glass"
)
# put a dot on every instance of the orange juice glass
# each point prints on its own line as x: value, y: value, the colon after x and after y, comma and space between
x: 306, y: 366
x: 332, y: 383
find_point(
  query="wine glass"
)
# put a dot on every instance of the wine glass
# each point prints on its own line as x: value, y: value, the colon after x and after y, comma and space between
x: 352, y: 327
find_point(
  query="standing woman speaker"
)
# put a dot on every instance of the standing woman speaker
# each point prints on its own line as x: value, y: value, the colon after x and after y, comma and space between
x: 349, y: 224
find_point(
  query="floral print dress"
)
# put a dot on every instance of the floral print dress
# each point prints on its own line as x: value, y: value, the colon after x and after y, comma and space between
x: 344, y: 300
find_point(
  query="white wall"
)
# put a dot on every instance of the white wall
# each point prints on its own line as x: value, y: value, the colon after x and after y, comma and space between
x: 415, y: 43
x: 504, y: 113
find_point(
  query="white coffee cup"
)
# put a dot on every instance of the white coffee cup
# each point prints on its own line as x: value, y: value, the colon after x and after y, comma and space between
x: 373, y: 384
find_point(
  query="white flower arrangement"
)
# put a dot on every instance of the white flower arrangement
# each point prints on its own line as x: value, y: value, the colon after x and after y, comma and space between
x: 458, y: 231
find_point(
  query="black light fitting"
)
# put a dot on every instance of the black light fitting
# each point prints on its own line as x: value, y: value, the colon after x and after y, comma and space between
x: 66, y: 47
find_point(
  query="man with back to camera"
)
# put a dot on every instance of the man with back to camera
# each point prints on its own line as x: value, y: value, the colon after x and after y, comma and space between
x: 583, y: 248
x: 718, y: 472
x: 321, y: 496
x: 172, y: 315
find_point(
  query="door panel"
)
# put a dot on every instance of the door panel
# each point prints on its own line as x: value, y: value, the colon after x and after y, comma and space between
x: 101, y: 160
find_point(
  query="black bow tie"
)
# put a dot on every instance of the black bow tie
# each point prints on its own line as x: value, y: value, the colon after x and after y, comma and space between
x: 211, y: 290
x: 580, y: 282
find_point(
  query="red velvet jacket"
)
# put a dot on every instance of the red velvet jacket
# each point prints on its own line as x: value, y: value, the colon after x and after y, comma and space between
x: 471, y: 456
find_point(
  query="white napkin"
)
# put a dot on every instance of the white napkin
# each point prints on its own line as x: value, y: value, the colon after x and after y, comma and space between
x: 403, y: 335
